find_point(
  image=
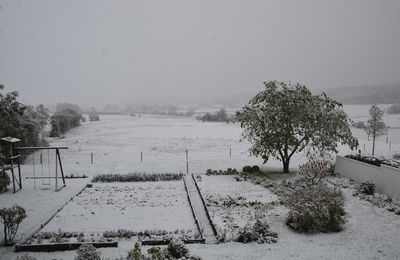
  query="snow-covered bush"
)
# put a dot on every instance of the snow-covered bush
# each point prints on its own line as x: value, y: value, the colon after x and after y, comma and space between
x: 87, y: 252
x: 315, y: 169
x: 259, y: 232
x: 4, y: 181
x: 367, y: 188
x: 136, y: 252
x: 316, y: 209
x: 138, y: 177
x: 228, y: 171
x: 26, y: 257
x: 251, y: 169
x: 176, y: 248
x: 359, y: 125
x: 11, y: 218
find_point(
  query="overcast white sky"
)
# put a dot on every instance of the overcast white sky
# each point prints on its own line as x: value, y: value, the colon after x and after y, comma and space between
x: 97, y: 52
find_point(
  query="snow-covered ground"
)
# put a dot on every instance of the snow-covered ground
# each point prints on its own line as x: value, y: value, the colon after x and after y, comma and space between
x: 135, y: 206
x: 117, y: 143
x: 234, y: 204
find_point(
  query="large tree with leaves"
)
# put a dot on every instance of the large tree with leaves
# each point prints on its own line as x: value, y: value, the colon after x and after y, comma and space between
x: 375, y: 125
x: 285, y: 119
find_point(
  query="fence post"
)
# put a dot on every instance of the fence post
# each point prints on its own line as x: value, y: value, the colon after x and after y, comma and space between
x: 364, y: 149
x: 187, y: 162
x: 91, y: 158
x: 141, y: 156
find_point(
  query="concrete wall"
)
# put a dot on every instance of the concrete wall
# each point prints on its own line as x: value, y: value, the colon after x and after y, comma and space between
x: 386, y: 179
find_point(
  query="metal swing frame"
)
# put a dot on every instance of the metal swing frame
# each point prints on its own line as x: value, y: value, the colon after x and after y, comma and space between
x: 58, y: 163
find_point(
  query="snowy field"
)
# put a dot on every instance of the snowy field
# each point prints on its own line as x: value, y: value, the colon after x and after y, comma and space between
x: 117, y: 143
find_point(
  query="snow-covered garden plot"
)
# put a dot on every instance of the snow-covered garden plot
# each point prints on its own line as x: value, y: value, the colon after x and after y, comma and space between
x: 138, y: 206
x: 234, y: 204
x: 370, y: 232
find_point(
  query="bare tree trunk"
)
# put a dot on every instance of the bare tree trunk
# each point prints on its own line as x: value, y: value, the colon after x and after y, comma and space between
x: 286, y: 163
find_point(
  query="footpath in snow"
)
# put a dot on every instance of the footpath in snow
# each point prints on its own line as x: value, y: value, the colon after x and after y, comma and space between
x: 199, y: 210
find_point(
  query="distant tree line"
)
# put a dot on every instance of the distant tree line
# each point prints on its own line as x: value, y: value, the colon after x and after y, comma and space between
x: 67, y: 116
x: 219, y: 116
x: 394, y: 109
x: 21, y: 121
x: 170, y: 110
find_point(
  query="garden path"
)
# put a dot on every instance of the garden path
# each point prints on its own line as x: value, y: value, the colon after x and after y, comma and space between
x: 199, y: 210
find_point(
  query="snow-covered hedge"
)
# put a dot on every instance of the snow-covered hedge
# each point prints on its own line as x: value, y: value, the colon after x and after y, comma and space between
x: 137, y: 177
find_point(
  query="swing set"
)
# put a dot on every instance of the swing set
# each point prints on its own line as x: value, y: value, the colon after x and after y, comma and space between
x: 44, y: 161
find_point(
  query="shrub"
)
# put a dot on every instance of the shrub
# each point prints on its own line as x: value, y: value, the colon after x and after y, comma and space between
x: 316, y: 209
x: 137, y: 177
x: 367, y: 188
x: 87, y: 252
x: 11, y: 218
x: 4, y: 181
x: 228, y: 171
x: 314, y: 170
x: 136, y: 252
x: 251, y: 169
x: 259, y: 233
x: 396, y: 156
x: 359, y: 125
x: 26, y: 257
x: 176, y: 248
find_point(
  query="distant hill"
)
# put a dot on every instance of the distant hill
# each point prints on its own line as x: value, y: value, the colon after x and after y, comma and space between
x: 365, y: 95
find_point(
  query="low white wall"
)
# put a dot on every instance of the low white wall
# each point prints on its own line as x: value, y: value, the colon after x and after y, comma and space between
x: 386, y: 179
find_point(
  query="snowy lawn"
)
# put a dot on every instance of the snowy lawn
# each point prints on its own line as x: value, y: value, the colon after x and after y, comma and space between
x: 39, y: 203
x: 135, y: 206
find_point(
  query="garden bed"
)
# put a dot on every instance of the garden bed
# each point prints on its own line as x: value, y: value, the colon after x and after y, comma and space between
x: 234, y: 204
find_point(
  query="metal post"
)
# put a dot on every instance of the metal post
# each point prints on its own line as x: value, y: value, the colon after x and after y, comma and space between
x: 364, y: 149
x: 187, y: 162
x: 141, y: 156
x: 56, y: 171
x: 91, y: 158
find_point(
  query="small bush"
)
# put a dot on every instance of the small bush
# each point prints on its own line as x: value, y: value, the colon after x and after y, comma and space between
x: 314, y: 170
x: 87, y: 252
x: 396, y: 156
x: 176, y: 248
x: 137, y: 177
x: 228, y: 171
x: 359, y: 125
x: 4, y: 181
x: 259, y: 233
x: 26, y: 257
x: 316, y: 209
x: 367, y: 188
x: 251, y: 169
x: 136, y: 252
x: 11, y: 218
